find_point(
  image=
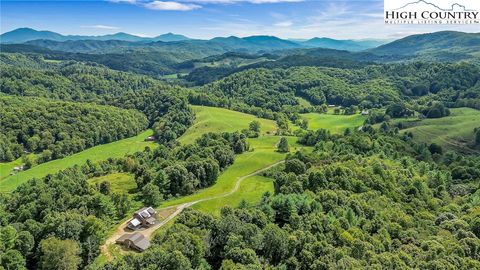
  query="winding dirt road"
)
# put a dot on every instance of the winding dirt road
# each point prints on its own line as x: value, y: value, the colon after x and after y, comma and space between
x: 178, y: 209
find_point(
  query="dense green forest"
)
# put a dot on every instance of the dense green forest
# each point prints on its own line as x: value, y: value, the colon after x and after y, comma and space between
x: 56, y: 128
x: 262, y: 91
x: 32, y: 76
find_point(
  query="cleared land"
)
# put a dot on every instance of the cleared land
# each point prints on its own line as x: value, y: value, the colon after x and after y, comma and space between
x: 334, y: 123
x: 97, y: 153
x: 263, y: 154
x: 454, y: 132
x: 210, y: 119
x: 122, y: 183
x: 251, y: 190
x: 7, y: 167
x: 239, y: 181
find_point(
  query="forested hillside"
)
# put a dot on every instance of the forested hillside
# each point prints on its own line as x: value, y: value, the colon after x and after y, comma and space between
x: 368, y: 87
x: 56, y: 129
x: 447, y: 45
x: 32, y: 76
x: 72, y: 81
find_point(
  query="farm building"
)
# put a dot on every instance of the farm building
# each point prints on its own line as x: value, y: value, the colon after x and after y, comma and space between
x: 144, y: 217
x: 134, y: 241
x: 18, y: 168
x: 150, y: 139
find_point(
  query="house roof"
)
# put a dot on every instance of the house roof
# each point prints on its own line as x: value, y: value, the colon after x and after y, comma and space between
x: 137, y: 239
x: 142, y: 244
x: 150, y: 220
x: 135, y: 222
x: 146, y: 212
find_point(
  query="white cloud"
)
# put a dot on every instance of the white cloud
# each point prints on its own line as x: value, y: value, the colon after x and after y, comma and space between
x: 168, y: 5
x: 101, y: 26
x: 185, y: 5
x: 272, y: 1
x: 284, y: 24
x: 241, y: 1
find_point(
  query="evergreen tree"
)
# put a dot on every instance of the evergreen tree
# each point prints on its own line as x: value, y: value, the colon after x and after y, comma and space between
x: 283, y: 145
x: 477, y: 137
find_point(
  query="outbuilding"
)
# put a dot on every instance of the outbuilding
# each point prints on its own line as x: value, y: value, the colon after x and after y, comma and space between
x: 134, y: 241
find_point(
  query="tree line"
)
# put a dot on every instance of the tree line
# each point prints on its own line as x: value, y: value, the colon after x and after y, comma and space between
x: 55, y: 129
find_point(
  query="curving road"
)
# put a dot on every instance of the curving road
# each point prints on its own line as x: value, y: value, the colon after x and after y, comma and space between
x: 178, y: 209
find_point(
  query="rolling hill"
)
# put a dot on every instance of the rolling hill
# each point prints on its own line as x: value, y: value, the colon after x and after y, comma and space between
x: 438, y: 45
x: 454, y: 132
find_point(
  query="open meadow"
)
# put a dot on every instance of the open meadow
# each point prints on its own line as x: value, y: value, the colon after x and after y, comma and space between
x: 454, y: 132
x: 210, y: 119
x: 102, y: 152
x: 333, y: 122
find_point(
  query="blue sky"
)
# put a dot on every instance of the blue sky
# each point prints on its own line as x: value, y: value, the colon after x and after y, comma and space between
x: 209, y: 18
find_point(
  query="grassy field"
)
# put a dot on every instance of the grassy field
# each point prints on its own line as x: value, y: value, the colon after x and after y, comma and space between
x: 303, y: 102
x: 209, y: 119
x: 7, y: 167
x: 122, y: 183
x: 332, y: 122
x: 251, y: 190
x: 454, y: 132
x: 263, y: 154
x: 97, y: 153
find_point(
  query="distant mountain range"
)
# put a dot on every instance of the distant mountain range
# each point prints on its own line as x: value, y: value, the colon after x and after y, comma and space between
x: 172, y: 48
x: 22, y: 35
x: 266, y: 43
x: 349, y: 45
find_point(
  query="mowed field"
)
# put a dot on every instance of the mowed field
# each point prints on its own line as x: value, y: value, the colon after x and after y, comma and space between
x: 121, y: 183
x: 7, y: 167
x: 454, y: 132
x: 210, y: 119
x: 97, y: 153
x: 264, y: 154
x: 251, y: 190
x: 332, y: 122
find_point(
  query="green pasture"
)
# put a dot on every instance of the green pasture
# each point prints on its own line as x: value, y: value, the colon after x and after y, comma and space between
x: 251, y: 190
x: 210, y: 119
x: 454, y: 132
x: 101, y: 152
x: 334, y: 123
x: 263, y: 154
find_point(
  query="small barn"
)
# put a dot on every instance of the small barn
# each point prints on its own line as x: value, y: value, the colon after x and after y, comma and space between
x: 135, y: 241
x: 150, y: 139
x: 18, y: 168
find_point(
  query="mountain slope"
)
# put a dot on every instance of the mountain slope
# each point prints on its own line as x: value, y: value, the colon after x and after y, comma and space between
x: 21, y: 35
x: 349, y: 45
x: 433, y: 44
x: 169, y: 37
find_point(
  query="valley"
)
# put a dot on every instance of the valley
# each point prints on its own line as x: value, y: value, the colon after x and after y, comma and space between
x: 256, y: 152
